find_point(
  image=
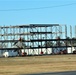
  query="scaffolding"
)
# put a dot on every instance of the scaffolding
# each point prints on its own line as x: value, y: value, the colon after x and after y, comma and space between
x: 37, y: 37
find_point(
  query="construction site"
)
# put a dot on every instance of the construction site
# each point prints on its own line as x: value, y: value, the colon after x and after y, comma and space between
x: 37, y: 48
x: 37, y: 39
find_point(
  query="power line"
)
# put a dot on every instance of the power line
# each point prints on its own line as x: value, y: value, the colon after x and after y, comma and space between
x: 39, y: 7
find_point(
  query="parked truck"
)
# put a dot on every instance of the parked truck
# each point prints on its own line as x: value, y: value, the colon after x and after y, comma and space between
x: 12, y: 53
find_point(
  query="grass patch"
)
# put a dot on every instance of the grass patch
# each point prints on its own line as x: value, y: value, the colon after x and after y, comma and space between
x: 37, y: 64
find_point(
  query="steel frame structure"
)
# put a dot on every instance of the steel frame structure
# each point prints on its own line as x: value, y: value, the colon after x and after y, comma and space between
x: 35, y: 35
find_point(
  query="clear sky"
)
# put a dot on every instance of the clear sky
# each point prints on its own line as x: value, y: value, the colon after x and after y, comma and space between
x: 55, y: 13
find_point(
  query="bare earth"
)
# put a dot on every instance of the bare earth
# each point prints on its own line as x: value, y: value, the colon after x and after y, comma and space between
x: 37, y: 64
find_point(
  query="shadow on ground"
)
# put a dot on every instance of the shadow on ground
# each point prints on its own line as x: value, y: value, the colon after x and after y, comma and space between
x: 55, y: 73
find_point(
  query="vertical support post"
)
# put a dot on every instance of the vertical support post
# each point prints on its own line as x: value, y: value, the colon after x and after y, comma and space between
x: 51, y: 37
x: 71, y: 31
x: 46, y: 38
x: 66, y: 35
x: 75, y: 31
x: 51, y: 33
x: 32, y: 39
x: 7, y: 36
x: 56, y: 31
x: 60, y: 31
x: 65, y: 31
x: 71, y: 37
x: 20, y: 31
x: 41, y: 38
x: 11, y: 34
x: 27, y: 39
x: 38, y: 39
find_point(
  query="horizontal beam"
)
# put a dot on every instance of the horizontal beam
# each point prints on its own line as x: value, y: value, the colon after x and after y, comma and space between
x: 30, y: 25
x: 35, y: 47
x: 43, y: 25
x: 29, y: 33
x: 38, y: 40
x: 53, y: 40
x: 12, y: 34
x: 3, y: 41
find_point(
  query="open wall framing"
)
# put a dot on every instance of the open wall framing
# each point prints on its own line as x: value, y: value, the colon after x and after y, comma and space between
x: 37, y: 37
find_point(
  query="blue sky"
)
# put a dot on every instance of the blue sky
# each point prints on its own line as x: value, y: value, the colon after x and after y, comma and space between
x: 60, y: 15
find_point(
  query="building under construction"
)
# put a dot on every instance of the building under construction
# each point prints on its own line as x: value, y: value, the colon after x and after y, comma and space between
x: 36, y: 39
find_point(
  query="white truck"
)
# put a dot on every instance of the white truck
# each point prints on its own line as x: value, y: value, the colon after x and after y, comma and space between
x: 10, y: 53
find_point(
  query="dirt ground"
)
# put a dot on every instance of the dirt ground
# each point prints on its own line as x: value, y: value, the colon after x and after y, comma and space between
x: 37, y: 64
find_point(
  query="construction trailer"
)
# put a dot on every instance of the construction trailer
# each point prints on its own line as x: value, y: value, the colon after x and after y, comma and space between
x: 35, y: 39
